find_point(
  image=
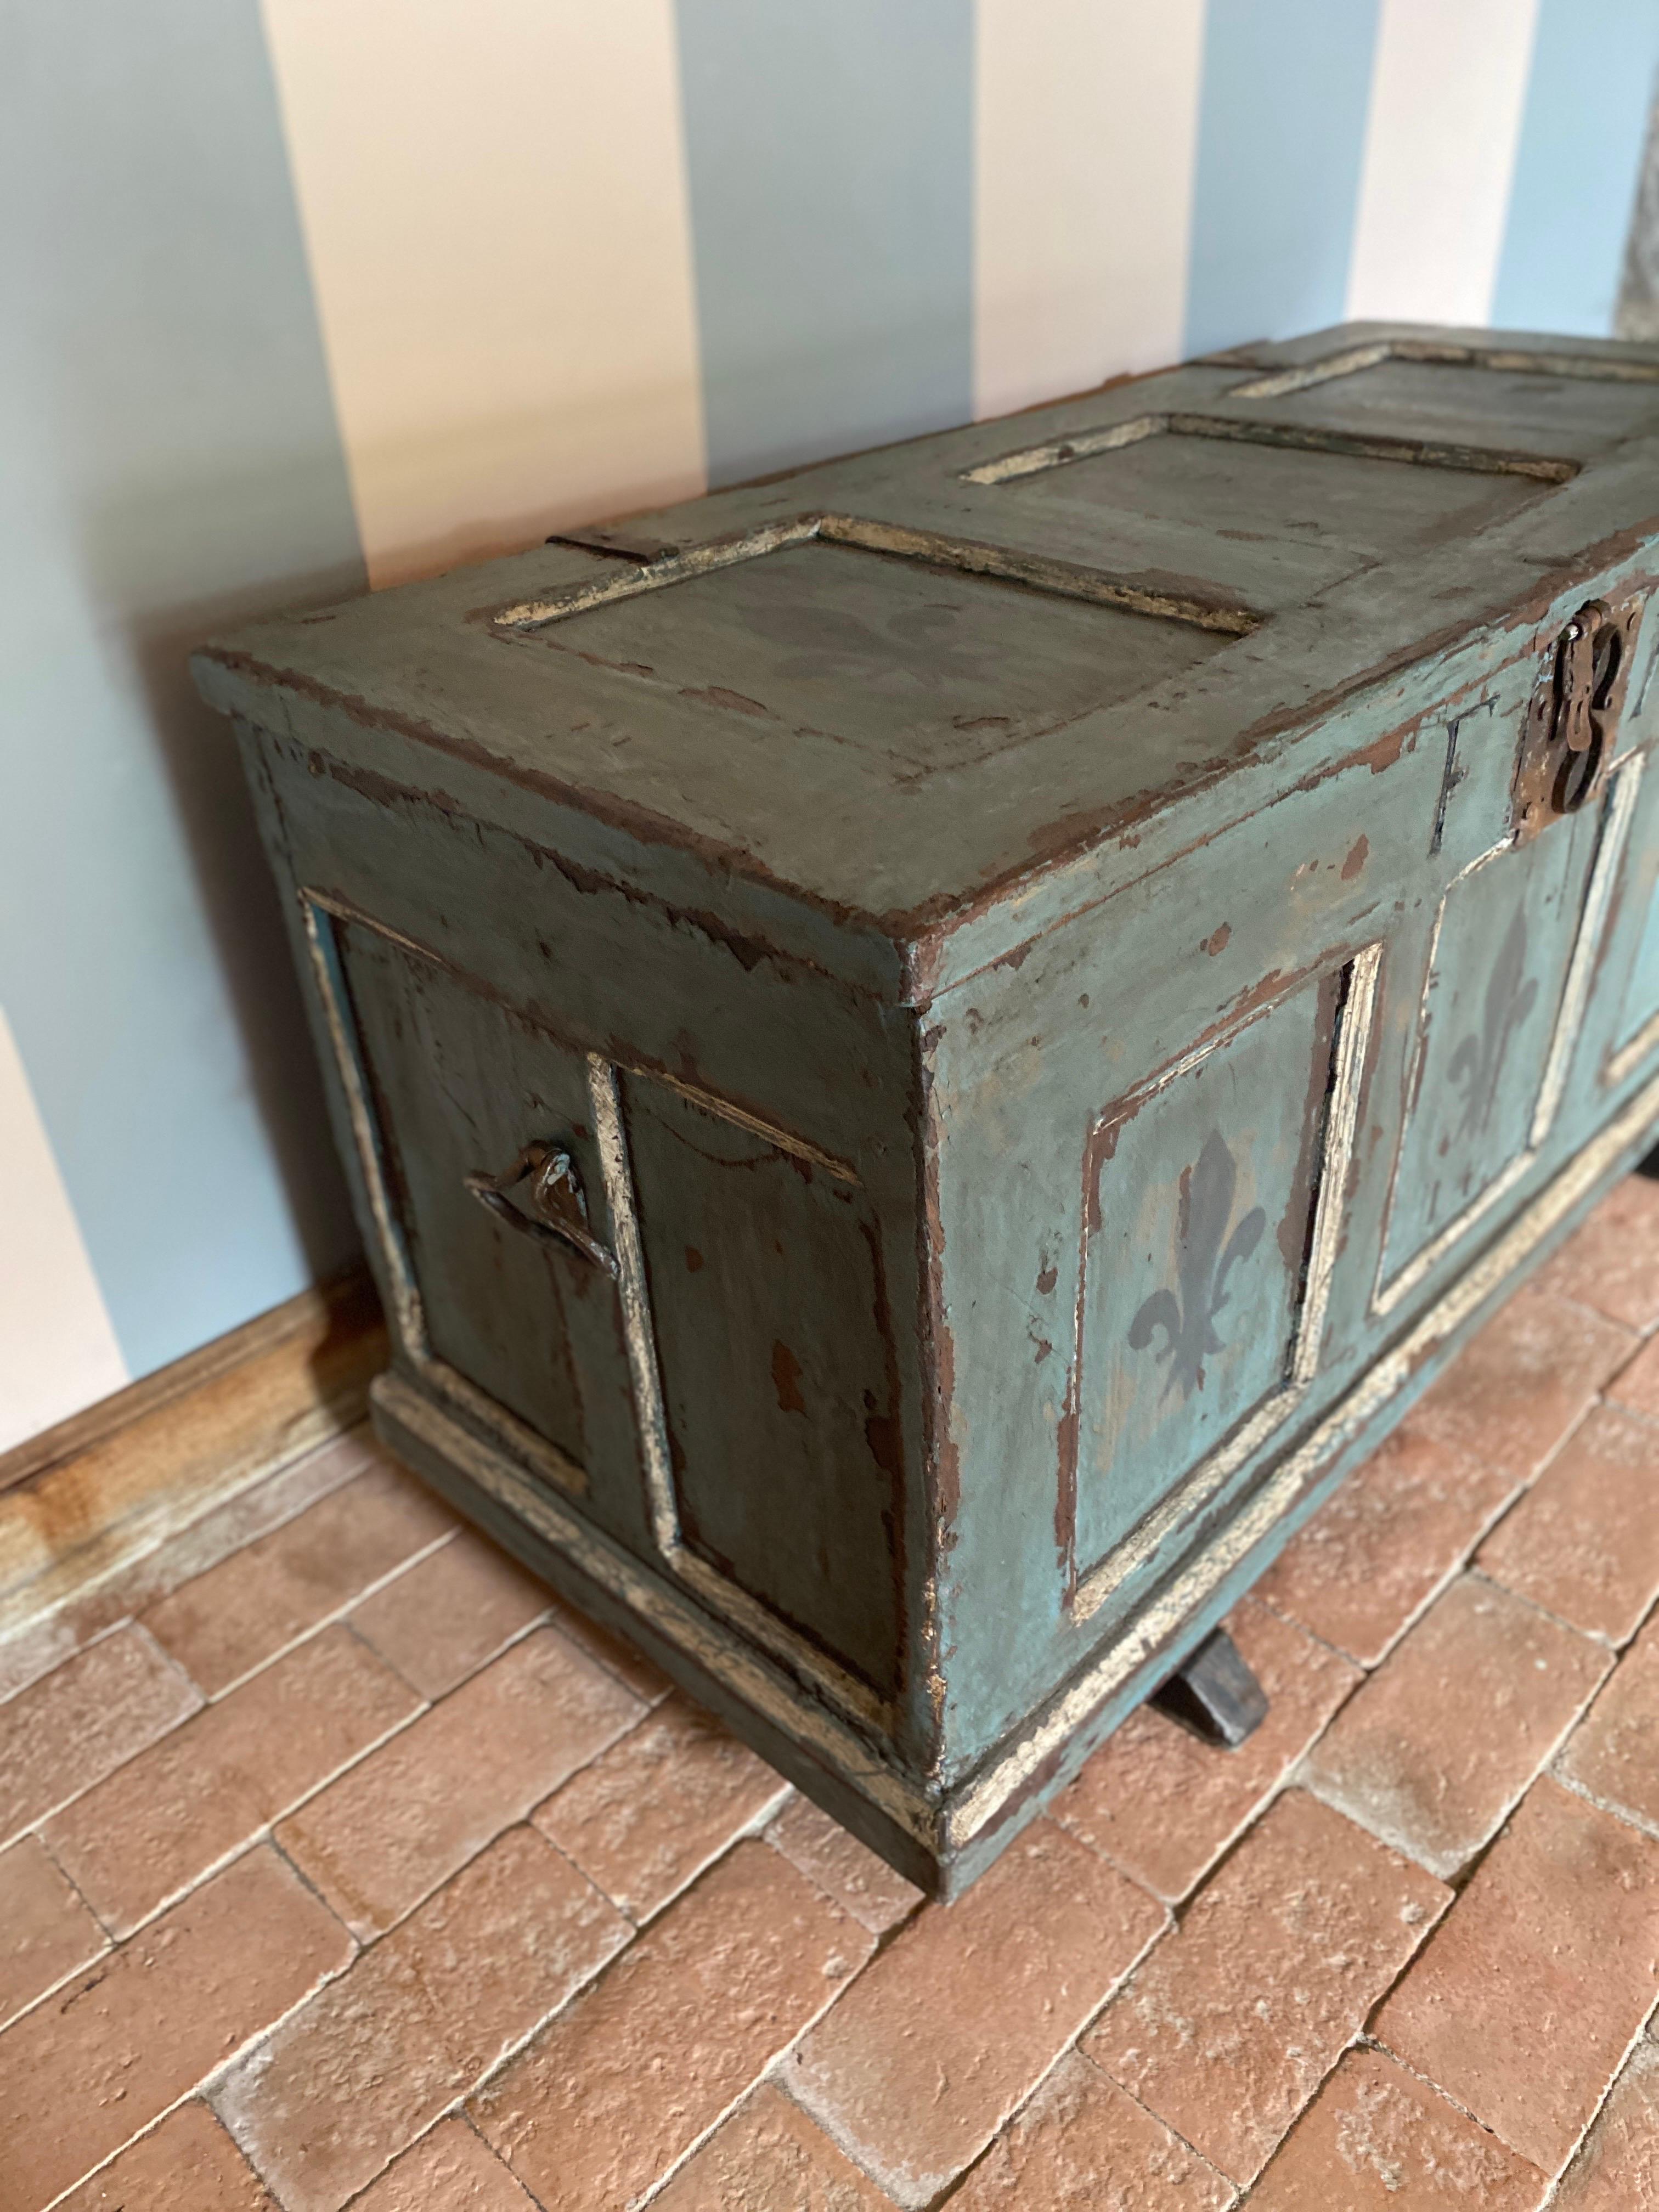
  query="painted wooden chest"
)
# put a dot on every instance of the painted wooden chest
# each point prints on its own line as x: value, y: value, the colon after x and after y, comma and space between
x: 930, y: 1050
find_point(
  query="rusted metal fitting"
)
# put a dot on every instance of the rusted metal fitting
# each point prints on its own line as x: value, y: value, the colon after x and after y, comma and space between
x: 552, y: 1210
x: 1573, y: 716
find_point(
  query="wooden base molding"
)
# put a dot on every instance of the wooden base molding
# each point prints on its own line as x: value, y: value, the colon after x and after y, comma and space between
x: 84, y: 1503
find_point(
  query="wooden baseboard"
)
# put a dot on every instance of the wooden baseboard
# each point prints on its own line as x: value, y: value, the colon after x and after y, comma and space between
x: 300, y: 1354
x: 82, y: 1501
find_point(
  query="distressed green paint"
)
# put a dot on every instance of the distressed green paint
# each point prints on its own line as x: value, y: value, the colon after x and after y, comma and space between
x: 1196, y: 1207
x: 1503, y: 938
x: 1083, y: 1037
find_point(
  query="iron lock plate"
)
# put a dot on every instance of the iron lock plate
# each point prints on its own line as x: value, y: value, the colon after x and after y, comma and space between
x: 1572, y: 718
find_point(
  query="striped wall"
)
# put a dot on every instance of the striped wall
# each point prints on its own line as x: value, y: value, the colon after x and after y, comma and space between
x: 314, y: 293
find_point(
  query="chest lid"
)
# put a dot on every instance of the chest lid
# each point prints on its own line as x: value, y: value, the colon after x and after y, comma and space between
x: 849, y: 707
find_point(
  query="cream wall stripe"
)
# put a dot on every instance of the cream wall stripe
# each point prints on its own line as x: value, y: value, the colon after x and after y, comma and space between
x: 1085, y: 128
x: 57, y: 1350
x: 495, y: 208
x: 1448, y: 91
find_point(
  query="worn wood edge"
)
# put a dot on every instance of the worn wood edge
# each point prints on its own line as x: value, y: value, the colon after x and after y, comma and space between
x: 90, y: 1498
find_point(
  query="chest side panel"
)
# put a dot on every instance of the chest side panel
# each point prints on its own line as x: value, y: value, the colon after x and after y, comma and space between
x: 780, y: 1362
x: 458, y: 1087
x: 726, y: 1391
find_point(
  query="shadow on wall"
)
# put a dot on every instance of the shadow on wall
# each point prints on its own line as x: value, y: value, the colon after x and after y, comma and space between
x: 169, y: 440
x: 203, y: 765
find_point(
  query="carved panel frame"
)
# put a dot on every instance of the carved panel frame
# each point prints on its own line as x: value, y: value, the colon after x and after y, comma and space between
x: 1087, y: 1591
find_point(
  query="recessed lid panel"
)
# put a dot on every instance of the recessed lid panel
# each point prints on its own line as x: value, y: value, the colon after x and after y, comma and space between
x: 1568, y: 409
x: 1240, y: 487
x: 921, y: 662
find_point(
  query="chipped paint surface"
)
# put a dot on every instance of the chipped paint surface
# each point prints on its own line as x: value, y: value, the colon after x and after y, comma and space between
x: 1023, y: 941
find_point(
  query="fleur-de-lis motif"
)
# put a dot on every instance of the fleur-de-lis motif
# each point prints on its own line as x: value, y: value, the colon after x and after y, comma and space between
x: 1478, y: 1063
x: 1205, y: 1256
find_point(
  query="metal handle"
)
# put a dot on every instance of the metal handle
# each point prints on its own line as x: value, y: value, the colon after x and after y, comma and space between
x: 553, y: 1210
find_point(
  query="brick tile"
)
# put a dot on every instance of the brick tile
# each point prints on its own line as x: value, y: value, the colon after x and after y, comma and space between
x: 352, y: 2079
x: 1374, y: 1553
x: 1081, y: 2145
x: 45, y: 1930
x: 1446, y: 1734
x: 768, y: 2156
x: 1375, y: 2139
x: 1613, y: 1752
x: 402, y: 1820
x: 249, y: 1514
x: 1525, y: 2000
x: 1231, y: 2025
x: 451, y: 2170
x: 1584, y: 1540
x: 928, y: 2053
x: 1612, y: 1262
x: 83, y: 2073
x: 617, y: 2089
x: 1637, y: 1385
x: 158, y: 1823
x: 78, y: 1723
x: 244, y: 1611
x: 1164, y: 1805
x: 1517, y: 1386
x: 614, y: 1653
x: 1617, y: 2167
x: 860, y: 1882
x: 188, y: 2164
x: 440, y: 1622
x: 651, y: 1811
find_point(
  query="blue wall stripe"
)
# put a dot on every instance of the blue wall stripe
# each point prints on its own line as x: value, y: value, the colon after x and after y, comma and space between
x: 830, y: 151
x: 168, y: 442
x: 1581, y: 134
x: 1281, y: 135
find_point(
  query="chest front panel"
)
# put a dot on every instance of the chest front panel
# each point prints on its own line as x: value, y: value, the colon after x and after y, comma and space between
x: 1347, y: 1058
x: 1198, y: 1206
x: 1502, y: 945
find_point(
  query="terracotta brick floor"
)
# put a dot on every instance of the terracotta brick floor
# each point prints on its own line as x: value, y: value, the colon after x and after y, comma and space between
x: 351, y: 1868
